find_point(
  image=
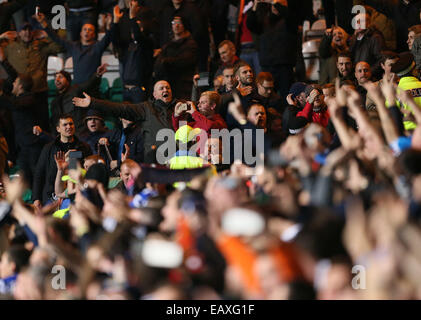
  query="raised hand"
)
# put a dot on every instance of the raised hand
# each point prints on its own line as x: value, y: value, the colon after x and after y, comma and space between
x: 192, y: 108
x: 9, y: 35
x: 290, y: 100
x: 82, y: 102
x: 117, y: 14
x: 37, y: 130
x: 40, y: 17
x: 313, y: 95
x: 389, y: 88
x: 179, y: 109
x: 125, y: 155
x: 341, y: 94
x: 245, y: 91
x: 61, y: 163
x: 236, y: 109
x: 133, y: 9
x: 103, y: 141
x: 102, y: 69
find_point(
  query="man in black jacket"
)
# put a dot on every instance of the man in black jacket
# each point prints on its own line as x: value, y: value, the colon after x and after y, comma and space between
x: 46, y: 170
x: 367, y: 43
x: 135, y: 47
x: 23, y: 108
x: 277, y: 26
x: 198, y: 23
x: 177, y: 61
x: 153, y: 115
x: 405, y: 14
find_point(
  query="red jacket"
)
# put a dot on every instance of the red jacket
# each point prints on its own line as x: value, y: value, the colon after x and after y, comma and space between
x: 321, y: 117
x: 202, y: 122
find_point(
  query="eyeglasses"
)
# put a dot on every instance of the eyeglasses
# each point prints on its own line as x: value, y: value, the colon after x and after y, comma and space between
x: 176, y: 22
x: 267, y: 88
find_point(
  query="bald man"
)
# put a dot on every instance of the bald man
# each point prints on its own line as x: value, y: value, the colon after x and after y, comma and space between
x: 153, y: 115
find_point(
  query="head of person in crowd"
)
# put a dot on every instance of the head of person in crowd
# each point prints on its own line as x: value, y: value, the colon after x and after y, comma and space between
x: 265, y: 84
x: 363, y: 72
x: 87, y: 34
x: 232, y: 192
x: 244, y: 74
x: 362, y: 23
x: 25, y: 32
x: 298, y: 93
x: 339, y: 38
x: 13, y: 260
x: 208, y: 103
x: 336, y: 281
x: 92, y: 159
x: 162, y: 91
x: 413, y: 32
x: 170, y: 213
x: 22, y: 84
x: 344, y: 64
x: 94, y: 121
x: 125, y: 123
x: 405, y: 66
x: 329, y: 90
x: 179, y: 27
x: 315, y: 97
x: 126, y: 169
x: 389, y: 58
x: 229, y: 78
x: 62, y: 81
x: 316, y: 138
x: 177, y: 3
x: 257, y: 116
x: 31, y: 283
x: 97, y: 174
x: 212, y: 152
x: 226, y: 50
x: 65, y: 127
x: 218, y: 82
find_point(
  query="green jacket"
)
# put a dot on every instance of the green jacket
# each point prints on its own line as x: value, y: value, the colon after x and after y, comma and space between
x: 32, y: 58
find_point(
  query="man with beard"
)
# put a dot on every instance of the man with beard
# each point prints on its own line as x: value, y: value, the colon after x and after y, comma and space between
x: 152, y: 115
x: 344, y: 67
x: 362, y: 75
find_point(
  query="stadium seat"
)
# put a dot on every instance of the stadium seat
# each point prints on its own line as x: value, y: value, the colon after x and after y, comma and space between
x: 116, y: 91
x: 104, y: 88
x: 68, y: 65
x: 113, y: 63
x: 54, y: 64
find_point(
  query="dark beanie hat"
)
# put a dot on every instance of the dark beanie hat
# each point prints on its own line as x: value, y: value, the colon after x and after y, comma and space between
x: 66, y: 75
x: 98, y: 172
x: 94, y: 114
x: 297, y: 88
